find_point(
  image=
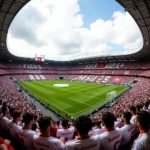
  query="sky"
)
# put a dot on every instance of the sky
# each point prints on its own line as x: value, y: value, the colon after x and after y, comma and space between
x: 71, y: 29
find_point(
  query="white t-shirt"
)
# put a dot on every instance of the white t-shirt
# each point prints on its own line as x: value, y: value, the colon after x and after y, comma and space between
x: 47, y: 143
x: 142, y: 142
x: 126, y: 132
x: 59, y: 127
x: 66, y: 133
x: 110, y: 140
x: 14, y: 130
x: 37, y: 124
x: 4, y: 122
x: 95, y: 131
x: 133, y: 119
x: 26, y: 138
x: 90, y: 143
x: 118, y: 123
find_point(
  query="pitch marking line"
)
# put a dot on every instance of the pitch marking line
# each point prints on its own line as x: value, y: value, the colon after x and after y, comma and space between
x: 89, y: 107
x: 92, y: 105
x: 74, y: 100
x: 80, y: 102
x: 90, y: 96
x: 54, y: 105
x: 84, y: 95
x: 66, y: 111
x: 49, y: 92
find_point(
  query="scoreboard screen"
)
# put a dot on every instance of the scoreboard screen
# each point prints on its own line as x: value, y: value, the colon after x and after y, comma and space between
x: 40, y: 59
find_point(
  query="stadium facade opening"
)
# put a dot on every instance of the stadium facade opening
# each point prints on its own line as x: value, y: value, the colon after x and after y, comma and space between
x: 63, y: 30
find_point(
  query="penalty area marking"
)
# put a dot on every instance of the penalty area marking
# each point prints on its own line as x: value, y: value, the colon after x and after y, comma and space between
x: 68, y: 112
x: 79, y: 101
x: 54, y: 105
x: 63, y: 109
x: 88, y: 107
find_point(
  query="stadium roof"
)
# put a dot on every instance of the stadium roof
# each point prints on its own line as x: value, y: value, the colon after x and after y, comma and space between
x: 8, y: 11
x: 139, y: 10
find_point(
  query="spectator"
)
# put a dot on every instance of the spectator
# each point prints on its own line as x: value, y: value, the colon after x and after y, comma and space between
x: 118, y: 123
x: 4, y: 121
x: 83, y: 141
x: 138, y: 108
x: 45, y: 141
x: 34, y: 127
x: 36, y: 120
x: 58, y: 126
x: 53, y: 130
x: 65, y: 132
x: 127, y: 130
x: 26, y: 135
x: 97, y: 129
x: 5, y: 103
x: 11, y: 110
x: 143, y: 122
x: 132, y: 110
x: 146, y: 104
x: 110, y: 138
x: 14, y: 126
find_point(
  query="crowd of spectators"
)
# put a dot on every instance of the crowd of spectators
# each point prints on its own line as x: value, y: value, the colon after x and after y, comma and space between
x: 131, y: 69
x: 24, y: 131
x: 116, y: 129
x: 15, y: 99
x: 124, y: 126
x: 137, y: 95
x: 98, y: 65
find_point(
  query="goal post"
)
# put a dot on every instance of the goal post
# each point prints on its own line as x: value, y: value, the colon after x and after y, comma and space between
x: 111, y: 95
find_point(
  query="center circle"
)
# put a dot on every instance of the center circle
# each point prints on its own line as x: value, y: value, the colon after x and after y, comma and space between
x: 61, y: 85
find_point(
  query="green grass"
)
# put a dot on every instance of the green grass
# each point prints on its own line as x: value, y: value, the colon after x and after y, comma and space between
x: 76, y: 99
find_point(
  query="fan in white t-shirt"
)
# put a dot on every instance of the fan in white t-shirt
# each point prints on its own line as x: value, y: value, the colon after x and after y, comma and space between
x: 132, y: 110
x: 97, y: 130
x: 14, y: 126
x: 35, y: 120
x: 44, y: 141
x: 58, y: 126
x: 26, y: 135
x: 111, y: 137
x: 133, y: 119
x: 118, y: 123
x: 146, y: 105
x: 126, y: 131
x: 35, y: 128
x: 84, y: 141
x: 139, y: 107
x: 143, y: 140
x: 66, y: 132
x: 4, y: 121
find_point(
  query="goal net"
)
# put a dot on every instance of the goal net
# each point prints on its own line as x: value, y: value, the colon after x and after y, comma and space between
x: 111, y: 95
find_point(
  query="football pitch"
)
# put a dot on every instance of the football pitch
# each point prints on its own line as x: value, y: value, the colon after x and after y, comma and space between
x: 69, y: 98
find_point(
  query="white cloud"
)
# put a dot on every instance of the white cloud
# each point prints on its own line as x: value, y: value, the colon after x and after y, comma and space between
x: 56, y: 27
